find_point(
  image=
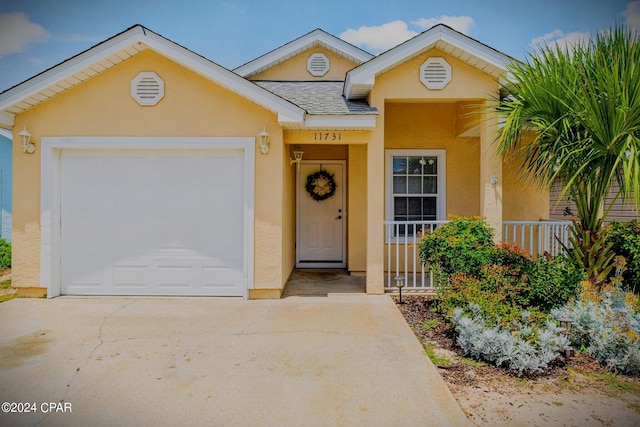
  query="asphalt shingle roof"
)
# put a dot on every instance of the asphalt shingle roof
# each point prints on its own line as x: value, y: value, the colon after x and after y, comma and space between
x: 321, y: 97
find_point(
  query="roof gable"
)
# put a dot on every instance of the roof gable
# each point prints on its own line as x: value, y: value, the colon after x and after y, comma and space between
x: 308, y: 41
x: 361, y: 79
x: 120, y: 48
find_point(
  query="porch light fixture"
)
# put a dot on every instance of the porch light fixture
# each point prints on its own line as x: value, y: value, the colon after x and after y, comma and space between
x: 494, y: 180
x: 25, y: 141
x: 400, y: 284
x: 264, y: 141
x: 297, y: 158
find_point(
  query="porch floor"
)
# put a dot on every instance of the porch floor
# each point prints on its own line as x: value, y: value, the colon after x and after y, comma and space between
x: 322, y: 282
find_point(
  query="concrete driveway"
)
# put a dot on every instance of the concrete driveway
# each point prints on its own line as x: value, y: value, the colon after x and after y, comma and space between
x: 339, y: 360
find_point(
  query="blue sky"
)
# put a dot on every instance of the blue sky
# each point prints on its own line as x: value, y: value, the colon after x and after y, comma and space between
x: 38, y: 34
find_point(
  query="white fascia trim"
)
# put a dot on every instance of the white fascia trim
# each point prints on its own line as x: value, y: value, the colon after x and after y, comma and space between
x: 224, y: 77
x: 365, y: 74
x: 70, y: 67
x: 366, y: 122
x: 7, y: 119
x: 6, y: 133
x: 166, y: 47
x: 305, y: 42
x: 51, y: 149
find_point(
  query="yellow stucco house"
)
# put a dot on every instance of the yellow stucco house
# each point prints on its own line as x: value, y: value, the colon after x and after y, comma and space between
x: 151, y: 170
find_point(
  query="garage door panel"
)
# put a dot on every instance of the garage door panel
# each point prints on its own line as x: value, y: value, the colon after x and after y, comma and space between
x: 152, y: 223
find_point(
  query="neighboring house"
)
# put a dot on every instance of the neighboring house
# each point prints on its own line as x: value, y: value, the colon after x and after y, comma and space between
x: 563, y: 208
x: 5, y: 184
x: 150, y: 174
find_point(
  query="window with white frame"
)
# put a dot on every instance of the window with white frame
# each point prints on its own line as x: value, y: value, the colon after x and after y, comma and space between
x: 415, y: 188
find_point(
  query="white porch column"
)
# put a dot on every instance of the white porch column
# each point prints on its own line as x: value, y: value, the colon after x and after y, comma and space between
x: 375, y: 207
x: 490, y: 174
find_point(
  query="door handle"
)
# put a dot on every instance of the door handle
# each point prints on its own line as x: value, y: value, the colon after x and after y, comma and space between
x: 339, y: 217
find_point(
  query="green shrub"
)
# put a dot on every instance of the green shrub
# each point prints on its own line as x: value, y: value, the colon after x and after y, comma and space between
x: 608, y: 326
x: 463, y: 245
x: 524, y: 347
x: 625, y: 237
x: 553, y: 281
x: 5, y: 254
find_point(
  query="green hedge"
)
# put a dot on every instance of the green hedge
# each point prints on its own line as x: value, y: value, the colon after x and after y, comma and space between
x: 5, y: 254
x: 625, y: 237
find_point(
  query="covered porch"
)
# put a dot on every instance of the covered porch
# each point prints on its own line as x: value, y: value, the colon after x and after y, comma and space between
x: 402, y: 248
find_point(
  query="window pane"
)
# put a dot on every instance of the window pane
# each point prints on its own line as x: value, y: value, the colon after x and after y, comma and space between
x: 400, y: 206
x: 429, y: 208
x: 399, y: 165
x: 431, y: 165
x: 415, y: 185
x: 415, y: 165
x: 415, y: 206
x: 400, y: 184
x: 430, y: 185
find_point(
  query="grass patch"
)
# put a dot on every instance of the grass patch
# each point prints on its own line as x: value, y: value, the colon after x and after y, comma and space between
x: 429, y: 324
x: 634, y: 406
x: 5, y: 284
x: 617, y: 382
x: 472, y: 362
x: 436, y: 359
x: 7, y: 297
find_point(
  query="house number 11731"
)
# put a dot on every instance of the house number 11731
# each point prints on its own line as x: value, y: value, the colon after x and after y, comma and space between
x: 327, y: 136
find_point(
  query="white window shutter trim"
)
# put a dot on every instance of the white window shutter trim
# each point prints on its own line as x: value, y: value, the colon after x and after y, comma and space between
x: 147, y: 88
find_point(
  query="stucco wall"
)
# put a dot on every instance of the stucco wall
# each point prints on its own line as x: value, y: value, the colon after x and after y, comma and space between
x: 192, y: 106
x: 295, y: 68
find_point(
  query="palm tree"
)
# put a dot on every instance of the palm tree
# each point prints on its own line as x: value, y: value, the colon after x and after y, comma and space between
x: 575, y: 115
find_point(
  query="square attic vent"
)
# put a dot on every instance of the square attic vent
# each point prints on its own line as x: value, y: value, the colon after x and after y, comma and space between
x: 435, y: 73
x: 318, y: 64
x: 147, y: 88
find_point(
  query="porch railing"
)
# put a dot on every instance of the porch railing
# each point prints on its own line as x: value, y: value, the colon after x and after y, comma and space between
x: 538, y: 237
x: 402, y: 241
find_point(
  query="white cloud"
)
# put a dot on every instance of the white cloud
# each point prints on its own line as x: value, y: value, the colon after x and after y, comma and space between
x: 632, y: 15
x: 17, y: 32
x: 379, y: 38
x: 463, y: 24
x: 561, y: 40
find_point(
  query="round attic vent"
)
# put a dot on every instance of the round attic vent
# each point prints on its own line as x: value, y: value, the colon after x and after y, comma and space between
x: 318, y: 64
x: 147, y: 88
x: 435, y: 73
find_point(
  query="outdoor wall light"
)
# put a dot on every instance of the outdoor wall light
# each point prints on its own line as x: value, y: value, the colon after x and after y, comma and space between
x: 25, y: 140
x: 297, y: 158
x: 400, y: 284
x: 494, y: 180
x: 264, y: 141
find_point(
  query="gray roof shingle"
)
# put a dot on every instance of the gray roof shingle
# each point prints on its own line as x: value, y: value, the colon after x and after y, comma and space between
x: 321, y: 97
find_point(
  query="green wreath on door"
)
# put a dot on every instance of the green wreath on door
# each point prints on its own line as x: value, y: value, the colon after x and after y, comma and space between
x: 321, y: 185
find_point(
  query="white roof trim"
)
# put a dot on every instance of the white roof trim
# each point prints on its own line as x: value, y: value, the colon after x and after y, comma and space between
x: 360, y: 80
x: 6, y: 133
x: 7, y: 119
x: 347, y: 122
x: 314, y: 38
x: 141, y: 38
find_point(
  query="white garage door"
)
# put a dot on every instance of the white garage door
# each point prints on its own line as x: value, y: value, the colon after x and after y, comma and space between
x: 152, y: 222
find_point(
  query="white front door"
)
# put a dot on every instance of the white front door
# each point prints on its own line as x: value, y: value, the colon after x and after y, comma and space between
x: 321, y: 223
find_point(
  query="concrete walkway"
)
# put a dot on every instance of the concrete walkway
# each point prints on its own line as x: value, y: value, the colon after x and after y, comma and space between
x: 335, y: 360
